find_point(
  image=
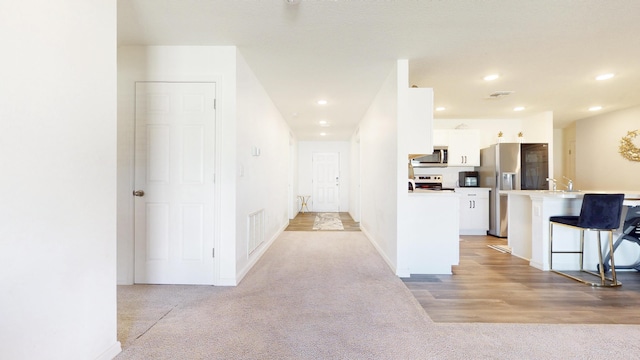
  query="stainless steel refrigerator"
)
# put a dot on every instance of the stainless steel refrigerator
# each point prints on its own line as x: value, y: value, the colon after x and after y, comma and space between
x: 511, y: 166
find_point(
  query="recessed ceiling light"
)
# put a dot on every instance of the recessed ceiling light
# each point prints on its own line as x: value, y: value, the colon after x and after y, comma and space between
x: 323, y: 123
x: 595, y: 108
x: 441, y: 108
x: 323, y: 134
x: 491, y: 77
x: 518, y: 108
x: 605, y: 76
x: 322, y: 102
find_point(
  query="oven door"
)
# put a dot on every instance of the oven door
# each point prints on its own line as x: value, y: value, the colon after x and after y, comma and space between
x: 428, y: 186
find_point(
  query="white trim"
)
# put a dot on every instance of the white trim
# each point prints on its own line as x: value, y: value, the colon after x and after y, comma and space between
x: 111, y: 352
x: 382, y: 254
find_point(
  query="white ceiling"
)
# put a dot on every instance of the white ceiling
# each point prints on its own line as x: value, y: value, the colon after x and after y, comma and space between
x: 547, y: 51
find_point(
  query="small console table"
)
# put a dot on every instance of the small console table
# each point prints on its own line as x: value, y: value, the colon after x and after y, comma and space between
x: 304, y: 199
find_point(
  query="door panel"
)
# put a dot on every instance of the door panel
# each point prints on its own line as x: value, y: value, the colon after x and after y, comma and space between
x: 193, y: 155
x: 192, y: 235
x: 326, y: 182
x: 157, y: 230
x: 174, y: 229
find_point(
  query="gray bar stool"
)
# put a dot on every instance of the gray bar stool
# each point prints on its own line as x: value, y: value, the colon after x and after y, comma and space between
x: 599, y: 212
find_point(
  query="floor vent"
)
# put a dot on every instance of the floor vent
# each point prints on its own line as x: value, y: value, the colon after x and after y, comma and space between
x: 255, y: 222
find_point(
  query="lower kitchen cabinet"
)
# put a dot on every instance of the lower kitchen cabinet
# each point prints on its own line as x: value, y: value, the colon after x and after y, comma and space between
x: 474, y: 211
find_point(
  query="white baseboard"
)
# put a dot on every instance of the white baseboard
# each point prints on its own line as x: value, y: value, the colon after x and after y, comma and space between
x: 375, y: 245
x: 226, y: 282
x: 111, y: 352
x: 472, y: 232
x: 521, y: 257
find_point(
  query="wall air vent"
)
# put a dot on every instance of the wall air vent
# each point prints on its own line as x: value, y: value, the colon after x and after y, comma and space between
x: 499, y: 94
x: 255, y: 233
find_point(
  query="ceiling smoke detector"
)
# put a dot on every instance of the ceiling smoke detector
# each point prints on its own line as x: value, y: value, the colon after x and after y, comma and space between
x: 292, y: 2
x: 499, y: 94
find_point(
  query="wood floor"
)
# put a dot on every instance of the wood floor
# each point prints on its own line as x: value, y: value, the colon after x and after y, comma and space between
x: 493, y: 287
x: 304, y: 222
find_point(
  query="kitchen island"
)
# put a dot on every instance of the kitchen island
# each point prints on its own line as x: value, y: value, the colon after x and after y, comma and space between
x: 528, y: 230
x: 428, y: 241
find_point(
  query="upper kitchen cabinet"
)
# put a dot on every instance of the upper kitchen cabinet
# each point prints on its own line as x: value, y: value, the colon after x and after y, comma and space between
x: 418, y: 140
x: 440, y: 137
x: 464, y: 147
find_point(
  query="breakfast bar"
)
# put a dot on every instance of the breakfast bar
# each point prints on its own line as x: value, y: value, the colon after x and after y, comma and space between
x: 528, y: 232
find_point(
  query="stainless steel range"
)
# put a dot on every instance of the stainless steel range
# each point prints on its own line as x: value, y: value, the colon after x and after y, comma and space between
x: 430, y: 182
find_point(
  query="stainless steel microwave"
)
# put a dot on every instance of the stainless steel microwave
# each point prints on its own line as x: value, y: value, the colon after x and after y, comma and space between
x: 438, y: 158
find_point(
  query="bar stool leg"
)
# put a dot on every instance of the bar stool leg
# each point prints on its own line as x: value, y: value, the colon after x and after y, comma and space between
x: 601, y: 267
x: 613, y: 265
x: 550, y: 246
x: 582, y: 250
x: 600, y: 274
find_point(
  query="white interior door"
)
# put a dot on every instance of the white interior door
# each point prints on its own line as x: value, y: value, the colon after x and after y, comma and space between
x: 326, y: 182
x: 174, y: 167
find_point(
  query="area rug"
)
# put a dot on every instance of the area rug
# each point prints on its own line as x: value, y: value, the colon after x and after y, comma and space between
x: 328, y: 221
x: 502, y: 248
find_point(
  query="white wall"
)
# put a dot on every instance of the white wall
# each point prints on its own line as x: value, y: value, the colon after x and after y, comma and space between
x: 378, y: 170
x: 306, y: 149
x: 569, y: 151
x: 262, y: 181
x: 293, y: 176
x: 559, y: 155
x: 354, y: 177
x: 180, y: 63
x: 599, y: 166
x: 58, y: 183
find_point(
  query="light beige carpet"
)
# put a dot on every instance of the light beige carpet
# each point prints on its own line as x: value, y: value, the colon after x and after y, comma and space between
x: 328, y: 221
x: 329, y: 295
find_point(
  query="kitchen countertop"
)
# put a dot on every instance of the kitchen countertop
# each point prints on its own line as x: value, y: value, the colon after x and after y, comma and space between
x: 630, y: 195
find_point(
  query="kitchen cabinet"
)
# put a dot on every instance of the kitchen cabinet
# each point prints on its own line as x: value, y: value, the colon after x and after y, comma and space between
x: 417, y: 138
x: 474, y: 211
x: 428, y: 240
x: 440, y: 137
x: 464, y: 147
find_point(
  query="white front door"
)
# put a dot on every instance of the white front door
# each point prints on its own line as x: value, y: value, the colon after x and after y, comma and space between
x: 326, y: 182
x: 174, y: 167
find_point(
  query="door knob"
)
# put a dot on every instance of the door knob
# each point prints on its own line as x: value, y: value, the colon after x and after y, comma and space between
x: 138, y: 193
